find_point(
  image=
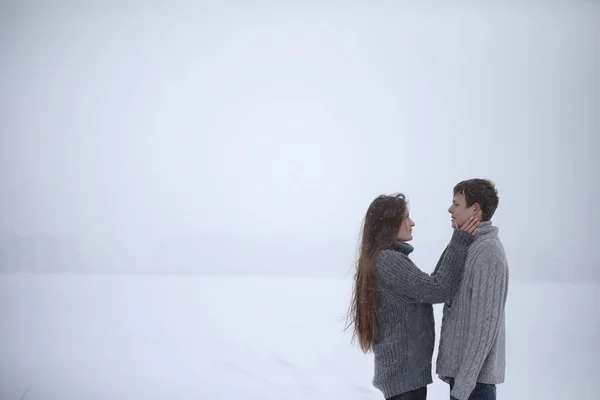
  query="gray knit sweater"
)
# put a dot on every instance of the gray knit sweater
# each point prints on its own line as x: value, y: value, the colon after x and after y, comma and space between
x: 404, y: 334
x: 472, y: 340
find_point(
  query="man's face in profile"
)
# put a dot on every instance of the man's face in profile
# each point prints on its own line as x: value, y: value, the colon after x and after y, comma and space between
x: 459, y: 211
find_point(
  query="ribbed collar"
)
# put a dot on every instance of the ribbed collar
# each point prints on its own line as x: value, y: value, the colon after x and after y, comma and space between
x: 486, y: 230
x: 402, y: 247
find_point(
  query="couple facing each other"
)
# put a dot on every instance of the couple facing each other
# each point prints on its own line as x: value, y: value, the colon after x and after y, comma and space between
x: 391, y: 309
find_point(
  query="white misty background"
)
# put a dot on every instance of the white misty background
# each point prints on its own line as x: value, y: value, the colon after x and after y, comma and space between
x: 248, y: 139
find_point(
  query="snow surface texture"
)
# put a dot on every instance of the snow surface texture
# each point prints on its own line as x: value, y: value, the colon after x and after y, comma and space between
x: 212, y: 337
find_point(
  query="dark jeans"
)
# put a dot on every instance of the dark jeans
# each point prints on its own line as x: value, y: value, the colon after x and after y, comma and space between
x: 482, y: 391
x: 417, y: 394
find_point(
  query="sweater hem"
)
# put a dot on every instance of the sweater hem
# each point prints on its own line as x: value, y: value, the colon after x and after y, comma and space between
x: 489, y: 379
x: 403, y: 385
x: 460, y: 394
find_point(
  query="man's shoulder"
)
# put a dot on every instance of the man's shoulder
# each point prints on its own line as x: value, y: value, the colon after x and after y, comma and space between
x: 487, y: 244
x: 487, y: 249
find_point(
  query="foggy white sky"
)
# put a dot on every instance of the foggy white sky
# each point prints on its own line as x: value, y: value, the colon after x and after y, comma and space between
x: 252, y: 139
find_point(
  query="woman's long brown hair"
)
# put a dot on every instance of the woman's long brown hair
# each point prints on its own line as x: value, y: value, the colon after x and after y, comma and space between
x: 380, y: 228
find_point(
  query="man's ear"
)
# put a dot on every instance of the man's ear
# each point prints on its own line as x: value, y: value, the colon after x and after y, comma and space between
x: 477, y: 209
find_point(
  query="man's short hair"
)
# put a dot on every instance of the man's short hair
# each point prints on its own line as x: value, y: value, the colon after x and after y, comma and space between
x: 482, y: 192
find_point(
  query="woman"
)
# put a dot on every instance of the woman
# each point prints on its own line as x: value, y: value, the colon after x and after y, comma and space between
x: 391, y: 307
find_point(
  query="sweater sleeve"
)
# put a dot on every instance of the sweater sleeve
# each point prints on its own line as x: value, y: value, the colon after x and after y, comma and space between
x: 486, y: 309
x: 401, y: 279
x: 439, y: 263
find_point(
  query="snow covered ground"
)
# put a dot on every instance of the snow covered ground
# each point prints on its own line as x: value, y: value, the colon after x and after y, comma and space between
x: 246, y: 337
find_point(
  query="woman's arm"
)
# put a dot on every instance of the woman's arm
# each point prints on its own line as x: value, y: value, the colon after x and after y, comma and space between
x: 401, y: 279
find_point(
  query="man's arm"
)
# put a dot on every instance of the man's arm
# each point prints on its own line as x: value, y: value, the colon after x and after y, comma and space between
x: 489, y: 284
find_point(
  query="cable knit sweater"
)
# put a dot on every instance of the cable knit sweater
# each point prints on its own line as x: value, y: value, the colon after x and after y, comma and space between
x: 404, y: 334
x: 472, y: 341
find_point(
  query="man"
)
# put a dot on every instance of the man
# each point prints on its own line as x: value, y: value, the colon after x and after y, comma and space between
x: 471, y: 356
